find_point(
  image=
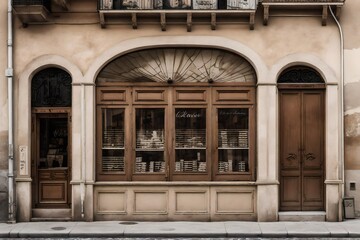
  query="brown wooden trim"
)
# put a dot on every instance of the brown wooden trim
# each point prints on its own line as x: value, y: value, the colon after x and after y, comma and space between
x: 196, y: 96
x: 50, y: 175
x: 301, y: 86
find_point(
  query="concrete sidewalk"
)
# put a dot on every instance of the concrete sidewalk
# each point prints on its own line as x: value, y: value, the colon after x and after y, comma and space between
x: 118, y: 229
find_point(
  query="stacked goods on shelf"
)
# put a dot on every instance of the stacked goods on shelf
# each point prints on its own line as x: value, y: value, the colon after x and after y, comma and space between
x: 152, y: 166
x: 202, y: 167
x: 230, y: 162
x: 223, y: 139
x: 140, y: 166
x: 223, y: 167
x: 113, y: 163
x: 242, y: 166
x: 233, y: 138
x: 190, y: 166
x: 159, y: 166
x: 243, y: 138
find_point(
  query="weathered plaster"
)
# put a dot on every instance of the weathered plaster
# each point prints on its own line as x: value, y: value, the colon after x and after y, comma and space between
x: 352, y: 141
x: 349, y: 20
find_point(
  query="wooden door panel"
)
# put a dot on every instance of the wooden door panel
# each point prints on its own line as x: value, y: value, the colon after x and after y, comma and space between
x: 313, y: 192
x: 53, y: 192
x: 290, y: 130
x: 290, y: 192
x: 52, y: 144
x: 313, y: 130
x: 301, y: 150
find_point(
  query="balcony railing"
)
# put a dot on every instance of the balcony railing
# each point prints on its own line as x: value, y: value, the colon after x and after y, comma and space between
x: 177, y: 11
x: 178, y: 4
x: 323, y: 5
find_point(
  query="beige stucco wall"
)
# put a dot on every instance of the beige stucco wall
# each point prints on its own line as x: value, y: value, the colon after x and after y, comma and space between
x: 352, y: 100
x: 3, y: 113
x: 285, y: 42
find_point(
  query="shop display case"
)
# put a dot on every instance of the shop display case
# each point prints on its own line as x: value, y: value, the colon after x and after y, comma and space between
x: 187, y: 134
x: 150, y: 141
x: 113, y: 155
x: 190, y: 140
x: 233, y: 140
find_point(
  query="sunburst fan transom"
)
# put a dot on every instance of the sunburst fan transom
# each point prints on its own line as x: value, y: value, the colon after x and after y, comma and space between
x: 178, y: 65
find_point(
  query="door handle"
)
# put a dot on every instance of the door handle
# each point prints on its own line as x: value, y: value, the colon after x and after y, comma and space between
x: 309, y: 156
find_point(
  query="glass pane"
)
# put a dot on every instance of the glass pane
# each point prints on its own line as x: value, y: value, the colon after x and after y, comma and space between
x: 113, y: 140
x: 190, y: 140
x: 233, y: 140
x: 53, y: 142
x: 150, y: 140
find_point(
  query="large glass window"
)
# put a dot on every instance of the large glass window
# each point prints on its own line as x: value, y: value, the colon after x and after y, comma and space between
x: 233, y: 140
x: 183, y: 134
x: 190, y: 140
x: 150, y: 140
x: 113, y: 158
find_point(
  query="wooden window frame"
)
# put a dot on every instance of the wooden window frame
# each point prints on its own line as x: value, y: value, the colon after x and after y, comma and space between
x: 245, y: 97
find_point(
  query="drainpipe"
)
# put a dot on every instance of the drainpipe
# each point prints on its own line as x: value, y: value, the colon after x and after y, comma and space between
x: 83, y: 151
x: 341, y: 88
x: 9, y: 74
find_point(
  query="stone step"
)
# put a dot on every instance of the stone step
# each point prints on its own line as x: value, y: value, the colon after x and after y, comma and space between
x: 302, y: 216
x: 54, y: 214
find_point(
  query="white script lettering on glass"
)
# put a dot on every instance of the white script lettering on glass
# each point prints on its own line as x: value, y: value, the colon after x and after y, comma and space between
x: 185, y: 114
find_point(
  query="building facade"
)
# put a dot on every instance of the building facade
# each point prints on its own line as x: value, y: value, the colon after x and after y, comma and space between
x: 181, y: 110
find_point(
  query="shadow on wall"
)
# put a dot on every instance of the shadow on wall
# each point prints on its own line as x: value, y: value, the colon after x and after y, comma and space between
x: 3, y: 196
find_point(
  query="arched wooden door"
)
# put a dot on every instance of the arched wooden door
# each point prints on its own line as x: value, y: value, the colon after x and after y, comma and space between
x: 302, y: 158
x: 51, y: 144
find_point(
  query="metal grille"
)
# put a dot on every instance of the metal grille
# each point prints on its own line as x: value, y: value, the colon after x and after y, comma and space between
x: 300, y: 75
x: 51, y: 87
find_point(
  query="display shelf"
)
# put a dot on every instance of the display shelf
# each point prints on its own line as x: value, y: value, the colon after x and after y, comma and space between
x: 232, y: 148
x: 149, y: 149
x: 113, y: 137
x: 113, y: 163
x: 190, y: 148
x: 113, y: 148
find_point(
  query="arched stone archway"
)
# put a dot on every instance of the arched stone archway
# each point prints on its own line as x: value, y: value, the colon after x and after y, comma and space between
x: 23, y: 124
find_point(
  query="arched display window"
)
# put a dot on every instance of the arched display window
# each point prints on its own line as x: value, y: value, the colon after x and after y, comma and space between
x: 176, y: 114
x: 51, y: 138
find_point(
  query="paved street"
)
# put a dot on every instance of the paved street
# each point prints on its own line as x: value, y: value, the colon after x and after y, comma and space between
x: 116, y: 229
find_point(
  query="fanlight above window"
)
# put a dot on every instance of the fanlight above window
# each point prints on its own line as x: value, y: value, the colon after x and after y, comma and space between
x: 300, y: 75
x: 51, y: 87
x: 179, y: 65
